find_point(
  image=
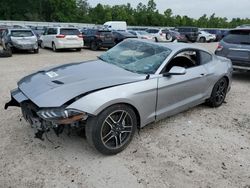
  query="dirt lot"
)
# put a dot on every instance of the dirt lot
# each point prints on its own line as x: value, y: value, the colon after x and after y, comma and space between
x: 202, y: 147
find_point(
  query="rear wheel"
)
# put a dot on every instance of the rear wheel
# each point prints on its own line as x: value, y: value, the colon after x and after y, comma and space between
x: 219, y: 93
x: 112, y: 130
x: 156, y: 40
x: 78, y: 49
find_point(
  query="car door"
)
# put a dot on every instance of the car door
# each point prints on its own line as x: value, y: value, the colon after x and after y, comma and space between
x: 179, y: 92
x: 45, y: 36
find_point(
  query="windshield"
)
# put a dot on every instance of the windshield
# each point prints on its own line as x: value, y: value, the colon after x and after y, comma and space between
x: 22, y: 33
x: 137, y: 56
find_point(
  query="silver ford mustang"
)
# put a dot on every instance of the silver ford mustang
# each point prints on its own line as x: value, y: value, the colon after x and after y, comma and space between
x: 133, y: 84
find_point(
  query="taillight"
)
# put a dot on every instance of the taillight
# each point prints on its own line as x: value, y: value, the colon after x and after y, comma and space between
x: 161, y: 34
x: 80, y: 36
x: 60, y: 36
x: 219, y: 47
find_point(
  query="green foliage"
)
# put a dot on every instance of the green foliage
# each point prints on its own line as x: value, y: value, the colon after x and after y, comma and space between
x: 81, y: 11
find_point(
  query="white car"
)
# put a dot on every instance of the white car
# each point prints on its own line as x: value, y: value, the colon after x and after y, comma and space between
x: 206, y: 37
x: 61, y: 38
x: 160, y: 35
x: 142, y: 34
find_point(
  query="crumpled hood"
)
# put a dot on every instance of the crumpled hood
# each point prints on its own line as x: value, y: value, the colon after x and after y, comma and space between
x: 56, y: 86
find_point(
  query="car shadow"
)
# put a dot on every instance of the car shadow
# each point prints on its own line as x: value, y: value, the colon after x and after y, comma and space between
x: 241, y: 76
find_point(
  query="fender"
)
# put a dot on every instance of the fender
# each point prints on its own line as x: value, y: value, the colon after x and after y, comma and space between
x: 141, y: 95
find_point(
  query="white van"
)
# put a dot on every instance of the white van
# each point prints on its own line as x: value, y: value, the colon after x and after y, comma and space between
x: 116, y: 25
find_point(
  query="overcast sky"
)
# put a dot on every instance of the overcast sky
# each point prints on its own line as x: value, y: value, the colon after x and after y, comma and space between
x: 193, y: 8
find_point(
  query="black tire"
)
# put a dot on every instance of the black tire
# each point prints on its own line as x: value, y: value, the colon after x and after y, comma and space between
x: 93, y: 46
x: 156, y: 40
x: 54, y: 47
x: 36, y: 51
x: 219, y: 93
x: 42, y: 44
x: 169, y: 37
x: 78, y: 49
x: 202, y: 40
x: 112, y: 130
x: 6, y: 53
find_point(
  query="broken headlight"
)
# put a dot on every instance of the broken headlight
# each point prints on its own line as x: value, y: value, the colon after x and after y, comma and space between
x: 62, y: 115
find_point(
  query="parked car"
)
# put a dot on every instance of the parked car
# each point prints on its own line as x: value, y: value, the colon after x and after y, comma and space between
x: 160, y: 35
x: 19, y: 39
x: 236, y: 46
x: 176, y: 36
x: 141, y: 34
x: 95, y: 38
x: 122, y: 35
x: 205, y: 37
x: 62, y: 38
x: 216, y: 32
x: 191, y: 33
x: 133, y: 84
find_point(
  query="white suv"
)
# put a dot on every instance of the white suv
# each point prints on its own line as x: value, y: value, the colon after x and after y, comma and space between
x: 61, y: 38
x: 160, y: 35
x: 206, y: 37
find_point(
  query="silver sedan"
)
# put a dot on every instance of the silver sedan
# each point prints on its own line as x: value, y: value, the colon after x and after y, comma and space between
x: 131, y: 85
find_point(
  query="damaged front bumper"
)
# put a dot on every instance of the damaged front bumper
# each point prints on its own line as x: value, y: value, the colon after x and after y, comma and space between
x: 42, y: 119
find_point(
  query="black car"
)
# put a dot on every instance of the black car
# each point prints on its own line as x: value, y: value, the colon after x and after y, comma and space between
x: 191, y: 33
x: 217, y: 32
x: 121, y: 35
x: 95, y: 38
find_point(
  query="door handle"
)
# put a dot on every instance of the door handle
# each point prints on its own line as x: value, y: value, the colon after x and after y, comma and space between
x: 202, y: 74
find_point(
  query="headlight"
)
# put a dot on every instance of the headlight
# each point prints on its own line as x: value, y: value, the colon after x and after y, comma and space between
x: 61, y: 115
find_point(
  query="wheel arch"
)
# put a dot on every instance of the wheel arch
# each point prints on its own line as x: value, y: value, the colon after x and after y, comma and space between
x: 97, y: 110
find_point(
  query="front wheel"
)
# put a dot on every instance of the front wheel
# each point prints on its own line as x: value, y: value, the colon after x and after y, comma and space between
x: 93, y: 46
x: 36, y: 51
x: 219, y: 93
x: 54, y: 47
x: 112, y: 130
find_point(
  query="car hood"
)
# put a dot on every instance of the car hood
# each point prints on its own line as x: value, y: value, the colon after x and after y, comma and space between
x: 56, y: 86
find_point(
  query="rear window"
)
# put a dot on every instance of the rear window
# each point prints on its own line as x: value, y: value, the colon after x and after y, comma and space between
x: 21, y: 33
x: 238, y: 37
x: 69, y: 32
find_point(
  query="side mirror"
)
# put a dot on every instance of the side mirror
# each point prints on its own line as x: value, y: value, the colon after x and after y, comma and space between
x: 175, y: 71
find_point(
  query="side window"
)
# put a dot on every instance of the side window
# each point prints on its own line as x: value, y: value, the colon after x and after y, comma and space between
x: 54, y: 31
x: 46, y: 31
x: 205, y: 57
x: 186, y: 59
x: 50, y: 31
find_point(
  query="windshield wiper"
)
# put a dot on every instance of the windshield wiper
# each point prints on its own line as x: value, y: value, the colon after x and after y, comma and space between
x: 99, y: 57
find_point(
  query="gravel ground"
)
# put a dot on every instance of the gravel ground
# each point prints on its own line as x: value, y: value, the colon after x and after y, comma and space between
x: 202, y: 147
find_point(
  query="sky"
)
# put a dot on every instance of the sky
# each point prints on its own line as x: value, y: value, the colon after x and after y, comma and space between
x: 193, y: 8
